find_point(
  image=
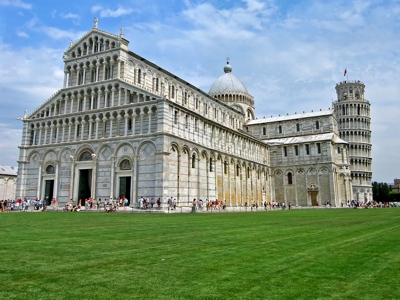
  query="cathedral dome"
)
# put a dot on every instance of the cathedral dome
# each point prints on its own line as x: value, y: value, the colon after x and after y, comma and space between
x: 227, y: 84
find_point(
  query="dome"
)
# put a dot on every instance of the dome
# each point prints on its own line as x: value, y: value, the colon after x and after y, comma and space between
x: 227, y: 84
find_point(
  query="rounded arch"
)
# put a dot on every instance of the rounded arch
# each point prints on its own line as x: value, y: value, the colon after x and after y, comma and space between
x: 34, y: 155
x: 49, y: 168
x: 125, y: 162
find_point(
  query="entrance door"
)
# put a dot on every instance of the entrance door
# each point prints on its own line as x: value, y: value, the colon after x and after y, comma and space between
x: 125, y: 187
x: 85, y: 184
x: 314, y: 198
x: 48, y: 191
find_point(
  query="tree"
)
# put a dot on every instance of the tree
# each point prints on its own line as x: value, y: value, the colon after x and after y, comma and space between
x: 381, y: 192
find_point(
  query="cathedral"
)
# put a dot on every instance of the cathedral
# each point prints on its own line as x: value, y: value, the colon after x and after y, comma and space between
x: 122, y: 126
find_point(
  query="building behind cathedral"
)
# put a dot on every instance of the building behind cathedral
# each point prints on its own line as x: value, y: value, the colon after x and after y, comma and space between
x: 123, y: 126
x: 8, y: 180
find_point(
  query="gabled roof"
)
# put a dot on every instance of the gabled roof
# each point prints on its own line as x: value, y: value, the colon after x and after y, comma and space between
x: 305, y: 139
x: 6, y: 170
x: 94, y: 31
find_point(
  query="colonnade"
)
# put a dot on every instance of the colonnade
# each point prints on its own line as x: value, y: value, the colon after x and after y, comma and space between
x: 210, y: 175
x: 122, y: 123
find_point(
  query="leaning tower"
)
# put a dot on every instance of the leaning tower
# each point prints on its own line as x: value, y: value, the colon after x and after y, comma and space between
x: 352, y: 112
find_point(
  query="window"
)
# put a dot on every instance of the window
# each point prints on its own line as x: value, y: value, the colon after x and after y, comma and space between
x: 185, y: 97
x: 211, y: 165
x: 338, y: 150
x: 264, y: 131
x: 285, y: 151
x: 296, y: 150
x: 85, y: 156
x: 32, y: 136
x: 125, y: 165
x: 290, y: 178
x: 297, y: 127
x: 319, y: 148
x: 197, y: 103
x: 130, y: 124
x: 80, y: 76
x: 307, y: 149
x: 193, y: 161
x: 50, y: 169
x: 237, y: 170
x: 107, y: 73
x: 280, y: 128
x: 317, y: 124
x: 157, y: 84
x: 225, y: 167
x: 176, y: 117
x: 172, y: 92
x: 139, y: 77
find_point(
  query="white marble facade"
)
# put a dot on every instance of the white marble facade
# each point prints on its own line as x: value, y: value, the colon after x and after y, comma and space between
x: 8, y: 182
x: 122, y: 125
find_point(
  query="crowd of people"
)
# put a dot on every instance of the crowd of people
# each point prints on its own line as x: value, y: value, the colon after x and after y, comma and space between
x: 22, y: 205
x: 122, y: 203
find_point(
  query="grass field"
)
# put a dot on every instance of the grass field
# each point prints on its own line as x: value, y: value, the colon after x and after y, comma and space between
x: 298, y: 254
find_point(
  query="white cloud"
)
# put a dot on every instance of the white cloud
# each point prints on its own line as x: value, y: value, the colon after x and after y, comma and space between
x: 110, y: 13
x: 22, y: 34
x: 70, y: 16
x: 16, y: 3
x: 59, y: 34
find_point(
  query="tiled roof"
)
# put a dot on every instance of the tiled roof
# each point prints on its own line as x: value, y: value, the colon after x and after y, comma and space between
x: 306, y: 139
x: 6, y: 170
x: 291, y: 117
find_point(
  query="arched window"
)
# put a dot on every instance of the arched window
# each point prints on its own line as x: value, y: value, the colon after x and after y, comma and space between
x: 85, y: 156
x: 139, y: 77
x: 211, y: 165
x: 125, y: 165
x: 50, y: 169
x: 193, y: 161
x: 290, y: 178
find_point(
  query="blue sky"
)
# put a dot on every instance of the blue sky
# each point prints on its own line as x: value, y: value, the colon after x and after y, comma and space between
x: 289, y: 54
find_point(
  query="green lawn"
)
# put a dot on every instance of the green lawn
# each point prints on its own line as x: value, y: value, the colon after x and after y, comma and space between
x: 297, y: 254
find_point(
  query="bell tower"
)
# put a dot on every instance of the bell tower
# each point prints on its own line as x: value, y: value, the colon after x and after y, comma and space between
x: 352, y: 112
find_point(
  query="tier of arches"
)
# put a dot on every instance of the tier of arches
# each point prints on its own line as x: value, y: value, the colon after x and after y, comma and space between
x: 214, y: 175
x: 353, y: 109
x: 238, y: 97
x: 354, y: 123
x: 91, y: 126
x: 93, y: 43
